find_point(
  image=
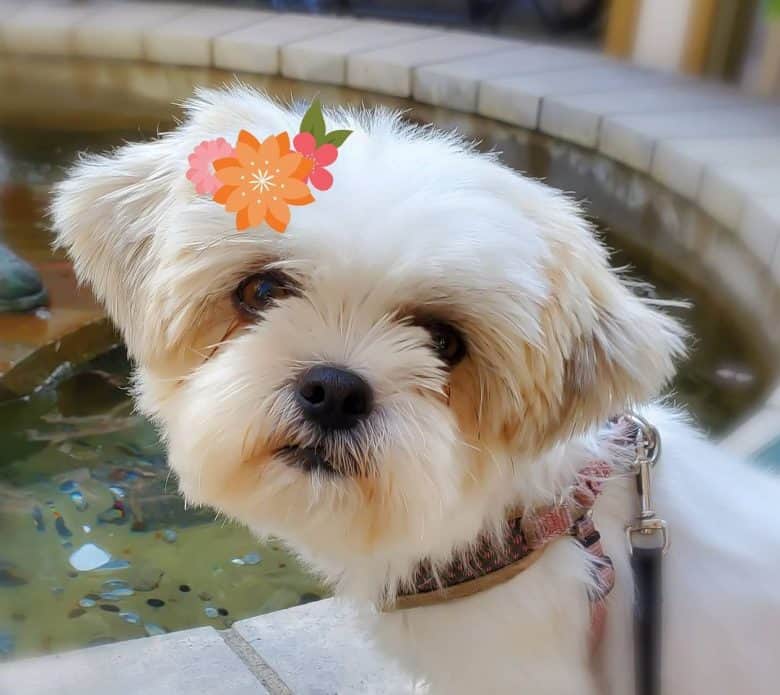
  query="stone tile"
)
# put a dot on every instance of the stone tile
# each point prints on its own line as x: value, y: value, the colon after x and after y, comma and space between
x: 188, y: 39
x: 577, y: 117
x: 389, y: 70
x: 725, y: 191
x: 455, y: 84
x: 760, y: 226
x: 632, y: 138
x: 316, y: 648
x: 193, y: 661
x: 518, y: 99
x: 43, y: 28
x: 680, y: 164
x: 323, y: 58
x: 259, y: 51
x: 116, y: 31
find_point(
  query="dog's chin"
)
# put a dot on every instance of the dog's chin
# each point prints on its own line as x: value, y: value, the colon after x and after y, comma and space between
x: 308, y: 459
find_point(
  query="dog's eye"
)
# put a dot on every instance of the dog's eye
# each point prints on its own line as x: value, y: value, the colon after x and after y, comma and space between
x: 447, y: 342
x: 257, y: 292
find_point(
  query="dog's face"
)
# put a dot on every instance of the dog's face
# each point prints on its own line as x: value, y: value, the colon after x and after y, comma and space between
x: 420, y: 334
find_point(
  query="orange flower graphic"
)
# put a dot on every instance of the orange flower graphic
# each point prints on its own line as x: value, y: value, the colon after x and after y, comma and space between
x: 262, y: 180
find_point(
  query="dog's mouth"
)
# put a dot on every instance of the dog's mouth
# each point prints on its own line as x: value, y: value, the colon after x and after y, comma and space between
x: 307, y: 458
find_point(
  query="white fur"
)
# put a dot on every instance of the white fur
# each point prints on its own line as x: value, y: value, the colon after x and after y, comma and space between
x: 419, y: 225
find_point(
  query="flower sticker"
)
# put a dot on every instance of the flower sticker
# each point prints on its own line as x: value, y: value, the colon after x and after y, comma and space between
x: 321, y: 156
x: 201, y: 171
x: 321, y: 147
x: 260, y: 180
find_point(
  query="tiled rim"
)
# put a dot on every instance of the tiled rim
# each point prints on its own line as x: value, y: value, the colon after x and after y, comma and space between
x: 716, y: 148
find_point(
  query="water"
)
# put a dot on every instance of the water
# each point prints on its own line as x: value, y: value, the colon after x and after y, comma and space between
x: 84, y: 482
x: 723, y: 377
x: 168, y: 567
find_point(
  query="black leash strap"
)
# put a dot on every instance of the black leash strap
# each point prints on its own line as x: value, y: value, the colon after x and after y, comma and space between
x: 646, y: 563
x: 648, y: 540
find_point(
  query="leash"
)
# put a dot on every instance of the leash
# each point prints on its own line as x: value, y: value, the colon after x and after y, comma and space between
x: 648, y: 541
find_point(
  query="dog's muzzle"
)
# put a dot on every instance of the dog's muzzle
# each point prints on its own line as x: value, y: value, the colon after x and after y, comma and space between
x: 330, y: 433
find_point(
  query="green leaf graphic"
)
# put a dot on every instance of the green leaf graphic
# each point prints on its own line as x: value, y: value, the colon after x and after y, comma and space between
x: 313, y: 122
x: 337, y: 137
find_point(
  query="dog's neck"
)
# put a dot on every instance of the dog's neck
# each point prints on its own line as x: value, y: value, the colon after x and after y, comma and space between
x: 515, y: 482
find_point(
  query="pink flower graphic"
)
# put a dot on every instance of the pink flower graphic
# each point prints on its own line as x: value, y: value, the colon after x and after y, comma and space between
x: 322, y: 156
x: 201, y: 171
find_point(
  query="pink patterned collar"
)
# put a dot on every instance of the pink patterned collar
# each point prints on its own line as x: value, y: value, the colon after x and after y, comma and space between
x: 525, y: 537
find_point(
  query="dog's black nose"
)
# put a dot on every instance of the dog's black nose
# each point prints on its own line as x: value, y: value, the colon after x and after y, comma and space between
x: 334, y: 398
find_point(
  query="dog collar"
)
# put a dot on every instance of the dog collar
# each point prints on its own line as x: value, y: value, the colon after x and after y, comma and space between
x: 526, y: 535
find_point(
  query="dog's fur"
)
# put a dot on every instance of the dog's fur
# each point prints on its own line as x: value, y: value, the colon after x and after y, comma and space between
x: 420, y: 226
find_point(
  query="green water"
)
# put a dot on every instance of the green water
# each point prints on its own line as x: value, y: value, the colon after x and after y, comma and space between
x: 79, y: 467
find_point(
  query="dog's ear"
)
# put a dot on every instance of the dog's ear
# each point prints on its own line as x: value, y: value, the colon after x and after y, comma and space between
x: 624, y: 357
x: 599, y: 348
x: 105, y: 214
x: 609, y: 348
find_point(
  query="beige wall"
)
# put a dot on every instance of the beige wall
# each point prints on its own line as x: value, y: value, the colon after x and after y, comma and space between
x: 661, y: 32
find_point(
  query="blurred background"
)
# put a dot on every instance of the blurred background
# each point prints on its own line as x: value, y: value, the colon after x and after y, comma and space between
x: 731, y: 40
x: 95, y: 544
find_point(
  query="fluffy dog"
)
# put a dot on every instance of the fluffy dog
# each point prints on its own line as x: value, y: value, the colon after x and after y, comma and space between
x: 435, y: 341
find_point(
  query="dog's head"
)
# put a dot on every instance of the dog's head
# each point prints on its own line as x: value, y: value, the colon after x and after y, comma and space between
x: 430, y: 321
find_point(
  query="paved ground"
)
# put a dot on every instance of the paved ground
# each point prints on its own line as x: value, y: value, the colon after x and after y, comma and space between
x: 314, y: 649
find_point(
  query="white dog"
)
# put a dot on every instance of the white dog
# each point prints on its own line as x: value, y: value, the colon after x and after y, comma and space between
x: 434, y: 343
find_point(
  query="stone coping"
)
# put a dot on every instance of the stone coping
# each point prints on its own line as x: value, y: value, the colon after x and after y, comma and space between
x: 712, y: 146
x: 311, y: 649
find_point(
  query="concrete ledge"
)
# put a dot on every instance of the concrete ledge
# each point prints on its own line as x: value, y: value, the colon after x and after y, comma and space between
x: 257, y: 49
x: 578, y: 117
x: 334, y: 657
x: 191, y: 661
x: 323, y: 58
x: 518, y: 99
x: 680, y: 164
x: 42, y: 29
x: 117, y: 31
x: 633, y: 139
x: 389, y: 70
x: 456, y: 84
x: 188, y: 39
x: 725, y: 192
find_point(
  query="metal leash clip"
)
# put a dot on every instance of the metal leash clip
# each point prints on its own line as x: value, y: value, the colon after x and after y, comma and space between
x: 648, y: 531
